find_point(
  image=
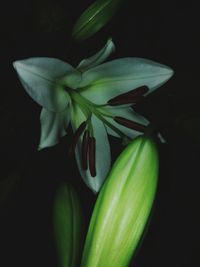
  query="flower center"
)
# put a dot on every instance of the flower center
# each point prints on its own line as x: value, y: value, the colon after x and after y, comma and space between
x: 71, y: 79
x: 88, y: 145
x: 88, y: 108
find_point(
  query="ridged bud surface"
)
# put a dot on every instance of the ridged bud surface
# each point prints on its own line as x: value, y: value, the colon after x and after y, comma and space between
x: 68, y: 226
x: 123, y: 207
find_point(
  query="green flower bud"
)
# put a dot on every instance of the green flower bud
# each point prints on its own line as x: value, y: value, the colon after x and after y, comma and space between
x: 123, y: 207
x: 94, y: 18
x: 68, y: 226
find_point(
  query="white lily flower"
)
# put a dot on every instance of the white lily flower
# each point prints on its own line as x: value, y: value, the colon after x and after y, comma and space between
x: 95, y: 98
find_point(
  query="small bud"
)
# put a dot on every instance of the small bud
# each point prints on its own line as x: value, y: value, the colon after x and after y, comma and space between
x: 68, y: 226
x: 94, y: 18
x: 123, y: 207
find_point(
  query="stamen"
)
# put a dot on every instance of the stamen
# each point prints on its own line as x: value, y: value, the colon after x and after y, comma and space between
x: 135, y: 93
x: 130, y: 124
x: 126, y: 100
x: 84, y: 150
x: 139, y: 91
x: 92, y: 156
x: 77, y: 135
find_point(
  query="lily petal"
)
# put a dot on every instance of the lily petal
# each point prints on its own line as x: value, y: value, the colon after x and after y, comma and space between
x: 98, y: 58
x: 103, y: 155
x: 53, y: 127
x: 127, y: 113
x: 113, y: 78
x: 40, y: 76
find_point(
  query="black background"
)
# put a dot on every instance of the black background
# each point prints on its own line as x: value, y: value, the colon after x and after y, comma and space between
x: 164, y: 31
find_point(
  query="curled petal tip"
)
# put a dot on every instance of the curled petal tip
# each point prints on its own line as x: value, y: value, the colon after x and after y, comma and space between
x: 168, y: 71
x: 16, y: 64
x: 171, y: 72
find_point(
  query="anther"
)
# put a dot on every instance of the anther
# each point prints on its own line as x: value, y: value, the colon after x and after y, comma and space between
x: 139, y: 91
x: 76, y: 137
x: 132, y: 96
x: 84, y: 150
x: 126, y: 100
x: 130, y: 124
x: 92, y: 156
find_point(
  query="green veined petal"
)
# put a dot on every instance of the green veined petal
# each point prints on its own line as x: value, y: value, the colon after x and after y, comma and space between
x: 119, y: 76
x: 53, y: 127
x: 98, y: 58
x: 40, y: 76
x: 103, y: 154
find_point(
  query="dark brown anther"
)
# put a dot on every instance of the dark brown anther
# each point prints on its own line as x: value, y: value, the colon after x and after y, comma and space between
x: 139, y: 91
x: 130, y: 124
x: 123, y: 101
x: 132, y: 96
x: 84, y: 150
x: 92, y: 156
x: 77, y: 135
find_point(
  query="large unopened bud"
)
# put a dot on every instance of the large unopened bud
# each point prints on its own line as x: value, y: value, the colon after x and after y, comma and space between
x: 68, y: 226
x: 123, y: 207
x: 94, y: 18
